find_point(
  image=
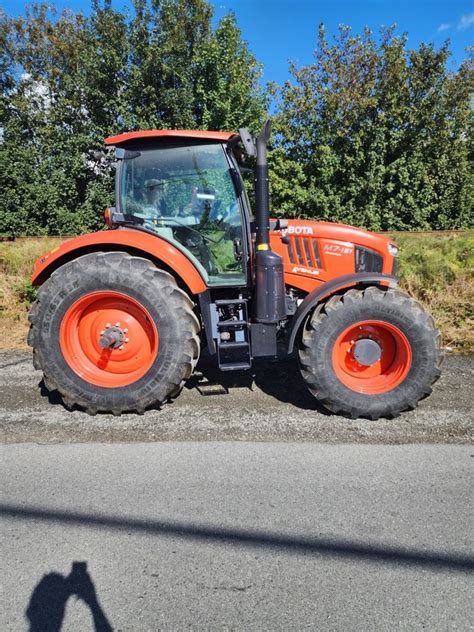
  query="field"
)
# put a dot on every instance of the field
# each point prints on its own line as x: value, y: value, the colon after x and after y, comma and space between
x: 436, y: 269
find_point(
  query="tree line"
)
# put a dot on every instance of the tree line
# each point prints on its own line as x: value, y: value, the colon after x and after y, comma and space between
x: 370, y: 133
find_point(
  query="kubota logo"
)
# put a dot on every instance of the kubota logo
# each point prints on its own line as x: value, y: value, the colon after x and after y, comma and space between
x: 300, y: 230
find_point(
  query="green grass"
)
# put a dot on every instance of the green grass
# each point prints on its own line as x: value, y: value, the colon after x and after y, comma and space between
x: 18, y: 257
x: 436, y: 261
x: 16, y: 293
x: 438, y: 270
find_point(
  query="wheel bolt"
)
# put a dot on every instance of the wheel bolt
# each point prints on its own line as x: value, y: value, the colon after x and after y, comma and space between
x: 107, y: 325
x: 102, y: 332
x: 125, y: 330
x: 117, y: 324
x: 121, y: 347
x: 127, y: 339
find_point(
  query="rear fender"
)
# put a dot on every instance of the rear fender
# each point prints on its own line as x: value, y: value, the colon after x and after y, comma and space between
x: 136, y: 242
x: 325, y: 290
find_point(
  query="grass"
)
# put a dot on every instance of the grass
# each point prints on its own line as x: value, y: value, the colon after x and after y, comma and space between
x: 16, y: 293
x: 438, y: 270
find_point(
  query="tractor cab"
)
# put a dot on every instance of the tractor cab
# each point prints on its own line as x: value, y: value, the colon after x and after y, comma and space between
x: 189, y: 192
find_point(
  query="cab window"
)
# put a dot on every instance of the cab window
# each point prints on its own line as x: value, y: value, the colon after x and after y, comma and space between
x: 186, y: 195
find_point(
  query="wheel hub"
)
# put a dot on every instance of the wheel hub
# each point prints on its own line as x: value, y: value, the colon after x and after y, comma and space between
x: 366, y: 351
x: 371, y: 357
x: 111, y: 338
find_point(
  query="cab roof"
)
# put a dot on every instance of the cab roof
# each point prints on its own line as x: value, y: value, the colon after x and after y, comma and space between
x: 169, y: 133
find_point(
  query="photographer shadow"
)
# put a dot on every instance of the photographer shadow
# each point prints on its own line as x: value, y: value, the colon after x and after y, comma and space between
x: 47, y: 606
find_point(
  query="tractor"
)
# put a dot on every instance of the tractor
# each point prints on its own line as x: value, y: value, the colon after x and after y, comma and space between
x: 121, y: 314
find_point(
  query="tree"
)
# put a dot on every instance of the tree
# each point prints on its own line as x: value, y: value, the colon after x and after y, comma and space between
x: 227, y: 88
x: 376, y: 135
x: 51, y: 122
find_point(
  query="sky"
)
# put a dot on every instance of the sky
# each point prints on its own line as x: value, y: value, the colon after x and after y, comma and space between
x: 281, y: 30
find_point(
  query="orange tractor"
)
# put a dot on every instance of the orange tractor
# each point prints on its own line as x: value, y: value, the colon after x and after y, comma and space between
x: 122, y: 314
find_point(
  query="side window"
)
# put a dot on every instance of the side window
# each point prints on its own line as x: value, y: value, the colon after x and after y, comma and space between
x: 186, y: 195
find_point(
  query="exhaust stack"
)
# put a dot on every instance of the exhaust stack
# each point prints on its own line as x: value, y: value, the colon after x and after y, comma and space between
x: 270, y: 305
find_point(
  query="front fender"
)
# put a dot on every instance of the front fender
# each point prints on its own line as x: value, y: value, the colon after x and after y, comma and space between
x: 331, y: 287
x: 136, y: 242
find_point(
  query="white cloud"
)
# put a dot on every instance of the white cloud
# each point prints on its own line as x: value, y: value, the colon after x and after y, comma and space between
x: 466, y: 21
x: 443, y: 27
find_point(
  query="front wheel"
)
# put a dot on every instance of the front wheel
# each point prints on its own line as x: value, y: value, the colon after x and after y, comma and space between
x: 370, y: 353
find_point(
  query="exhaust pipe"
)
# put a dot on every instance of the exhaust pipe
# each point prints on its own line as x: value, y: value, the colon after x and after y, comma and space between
x: 262, y: 195
x: 270, y: 304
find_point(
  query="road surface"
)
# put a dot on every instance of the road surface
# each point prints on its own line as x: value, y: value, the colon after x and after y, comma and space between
x: 237, y: 536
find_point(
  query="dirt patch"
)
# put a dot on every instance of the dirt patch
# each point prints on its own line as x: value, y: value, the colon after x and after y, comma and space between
x: 13, y: 334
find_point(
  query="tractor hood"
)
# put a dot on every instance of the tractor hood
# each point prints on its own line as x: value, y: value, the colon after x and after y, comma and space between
x: 313, y: 251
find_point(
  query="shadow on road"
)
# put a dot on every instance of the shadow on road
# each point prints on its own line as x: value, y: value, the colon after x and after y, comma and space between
x: 329, y: 547
x: 281, y: 380
x: 47, y: 606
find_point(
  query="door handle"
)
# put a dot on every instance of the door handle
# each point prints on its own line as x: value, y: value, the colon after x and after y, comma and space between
x: 237, y: 242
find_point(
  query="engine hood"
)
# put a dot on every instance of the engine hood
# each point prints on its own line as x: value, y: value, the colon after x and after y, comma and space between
x: 314, y: 251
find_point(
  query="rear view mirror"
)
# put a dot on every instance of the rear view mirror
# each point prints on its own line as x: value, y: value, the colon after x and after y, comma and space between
x: 248, y: 141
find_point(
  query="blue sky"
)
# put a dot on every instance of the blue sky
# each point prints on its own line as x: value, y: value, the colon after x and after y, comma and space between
x: 280, y: 30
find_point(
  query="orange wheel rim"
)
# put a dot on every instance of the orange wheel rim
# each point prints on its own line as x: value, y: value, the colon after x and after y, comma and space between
x: 129, y: 333
x: 371, y: 357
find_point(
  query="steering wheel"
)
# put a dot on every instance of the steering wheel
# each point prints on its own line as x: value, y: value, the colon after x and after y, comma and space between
x: 197, y: 244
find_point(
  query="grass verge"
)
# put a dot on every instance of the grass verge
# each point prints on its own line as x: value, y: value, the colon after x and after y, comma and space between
x: 438, y: 270
x: 16, y: 293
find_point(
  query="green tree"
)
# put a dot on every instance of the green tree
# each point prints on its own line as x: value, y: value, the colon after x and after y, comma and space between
x: 228, y: 95
x: 49, y: 127
x: 375, y: 135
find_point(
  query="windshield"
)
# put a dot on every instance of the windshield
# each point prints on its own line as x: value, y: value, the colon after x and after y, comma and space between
x: 186, y: 195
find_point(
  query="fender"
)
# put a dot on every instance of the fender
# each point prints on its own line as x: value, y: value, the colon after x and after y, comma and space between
x: 134, y: 241
x: 331, y: 287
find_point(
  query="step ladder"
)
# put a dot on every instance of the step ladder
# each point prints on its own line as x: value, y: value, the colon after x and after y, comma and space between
x: 233, y: 340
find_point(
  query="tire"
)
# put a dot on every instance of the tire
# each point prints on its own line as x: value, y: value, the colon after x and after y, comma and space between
x: 375, y: 322
x: 156, y: 344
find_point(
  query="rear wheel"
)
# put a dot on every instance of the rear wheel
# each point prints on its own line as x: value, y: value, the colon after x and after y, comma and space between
x: 370, y: 353
x: 113, y: 333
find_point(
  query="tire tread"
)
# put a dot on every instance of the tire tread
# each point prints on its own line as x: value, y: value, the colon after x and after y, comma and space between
x: 311, y: 369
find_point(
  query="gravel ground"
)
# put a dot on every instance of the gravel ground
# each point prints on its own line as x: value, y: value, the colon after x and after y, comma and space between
x: 270, y: 405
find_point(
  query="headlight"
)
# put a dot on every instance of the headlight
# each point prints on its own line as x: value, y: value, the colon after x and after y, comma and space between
x: 367, y: 260
x: 393, y: 250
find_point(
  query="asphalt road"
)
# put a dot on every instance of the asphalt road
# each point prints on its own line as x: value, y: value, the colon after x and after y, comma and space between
x: 272, y: 404
x: 237, y: 536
